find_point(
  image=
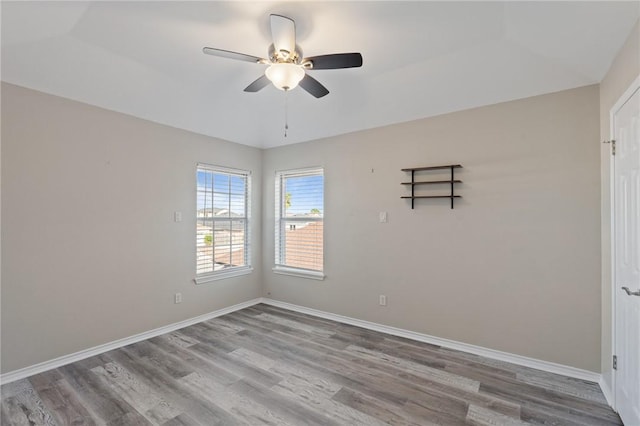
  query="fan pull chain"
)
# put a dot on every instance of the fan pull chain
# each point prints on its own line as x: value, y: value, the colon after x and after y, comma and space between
x: 286, y: 112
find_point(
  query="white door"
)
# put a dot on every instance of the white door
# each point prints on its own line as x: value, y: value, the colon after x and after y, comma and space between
x: 626, y: 129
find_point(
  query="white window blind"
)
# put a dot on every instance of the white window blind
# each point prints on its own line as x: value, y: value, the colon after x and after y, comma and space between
x: 222, y: 230
x: 300, y: 219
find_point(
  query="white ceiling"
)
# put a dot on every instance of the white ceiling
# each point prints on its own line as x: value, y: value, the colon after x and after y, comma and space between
x: 420, y: 59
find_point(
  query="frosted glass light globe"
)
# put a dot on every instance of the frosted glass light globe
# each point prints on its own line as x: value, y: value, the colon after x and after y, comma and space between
x: 285, y: 76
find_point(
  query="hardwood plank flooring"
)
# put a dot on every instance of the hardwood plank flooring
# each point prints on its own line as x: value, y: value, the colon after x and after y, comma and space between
x: 269, y: 366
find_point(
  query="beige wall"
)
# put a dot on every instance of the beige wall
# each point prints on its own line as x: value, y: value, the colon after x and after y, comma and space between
x: 624, y: 70
x: 514, y: 267
x: 90, y: 250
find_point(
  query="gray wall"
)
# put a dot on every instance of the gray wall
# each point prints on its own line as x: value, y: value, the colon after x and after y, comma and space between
x: 514, y: 267
x: 90, y: 250
x: 623, y: 71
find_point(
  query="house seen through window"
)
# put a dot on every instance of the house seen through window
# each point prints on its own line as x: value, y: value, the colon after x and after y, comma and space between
x: 222, y: 222
x: 300, y: 220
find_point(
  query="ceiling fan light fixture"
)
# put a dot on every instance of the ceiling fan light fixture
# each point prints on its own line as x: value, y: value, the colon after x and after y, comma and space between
x: 285, y: 76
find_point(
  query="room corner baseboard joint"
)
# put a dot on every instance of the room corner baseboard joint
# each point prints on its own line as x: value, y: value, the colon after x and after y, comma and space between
x: 450, y: 344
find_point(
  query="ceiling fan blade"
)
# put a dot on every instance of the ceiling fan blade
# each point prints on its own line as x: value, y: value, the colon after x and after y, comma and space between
x: 335, y: 61
x: 232, y: 55
x: 283, y: 33
x: 313, y: 86
x: 258, y: 84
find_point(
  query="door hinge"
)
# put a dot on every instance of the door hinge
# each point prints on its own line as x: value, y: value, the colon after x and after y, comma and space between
x: 615, y: 362
x: 613, y: 146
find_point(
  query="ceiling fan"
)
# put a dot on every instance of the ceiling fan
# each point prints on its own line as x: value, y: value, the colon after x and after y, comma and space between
x: 287, y: 67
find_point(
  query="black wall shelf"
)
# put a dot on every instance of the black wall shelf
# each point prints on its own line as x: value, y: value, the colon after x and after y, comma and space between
x: 414, y: 183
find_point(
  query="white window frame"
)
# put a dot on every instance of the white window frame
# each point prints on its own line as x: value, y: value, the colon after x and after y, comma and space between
x: 280, y: 268
x: 233, y: 271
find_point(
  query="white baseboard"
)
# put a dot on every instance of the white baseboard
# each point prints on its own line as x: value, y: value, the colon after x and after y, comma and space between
x: 451, y: 344
x: 550, y: 367
x: 606, y: 391
x: 12, y: 376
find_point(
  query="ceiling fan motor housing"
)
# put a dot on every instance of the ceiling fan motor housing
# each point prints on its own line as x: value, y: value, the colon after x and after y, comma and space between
x: 284, y: 56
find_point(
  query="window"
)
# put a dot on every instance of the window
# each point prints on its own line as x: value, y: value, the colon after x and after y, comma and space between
x: 222, y: 223
x: 299, y: 223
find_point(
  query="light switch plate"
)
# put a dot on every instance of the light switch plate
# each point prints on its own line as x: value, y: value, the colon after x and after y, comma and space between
x: 383, y: 217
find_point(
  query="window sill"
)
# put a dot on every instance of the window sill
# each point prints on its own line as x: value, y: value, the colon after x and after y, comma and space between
x: 301, y: 273
x: 221, y: 275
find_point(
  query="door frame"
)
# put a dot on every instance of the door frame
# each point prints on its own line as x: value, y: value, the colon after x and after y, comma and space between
x: 635, y: 86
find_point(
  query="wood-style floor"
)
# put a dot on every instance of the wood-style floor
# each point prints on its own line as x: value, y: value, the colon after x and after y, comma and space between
x: 265, y: 365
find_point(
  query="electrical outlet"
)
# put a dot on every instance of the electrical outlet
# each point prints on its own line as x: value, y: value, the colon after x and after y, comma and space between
x: 383, y: 300
x: 177, y: 216
x: 178, y: 298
